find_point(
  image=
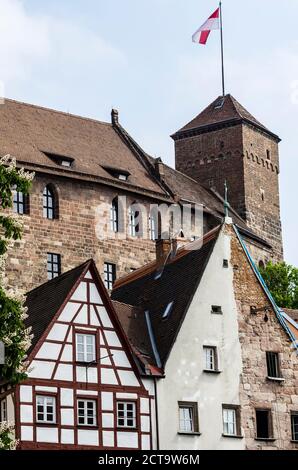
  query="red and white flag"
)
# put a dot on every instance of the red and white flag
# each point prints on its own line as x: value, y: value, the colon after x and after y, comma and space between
x: 202, y: 34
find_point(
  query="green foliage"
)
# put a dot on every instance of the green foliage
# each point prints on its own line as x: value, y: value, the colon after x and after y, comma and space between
x: 282, y: 281
x: 12, y: 313
x: 7, y: 441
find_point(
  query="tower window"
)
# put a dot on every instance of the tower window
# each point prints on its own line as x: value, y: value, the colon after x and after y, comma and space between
x: 268, y: 154
x: 20, y: 203
x: 264, y: 424
x: 53, y: 265
x: 109, y: 275
x: 50, y: 206
x: 263, y: 195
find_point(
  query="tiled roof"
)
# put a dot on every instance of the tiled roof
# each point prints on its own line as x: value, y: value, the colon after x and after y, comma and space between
x: 292, y: 313
x: 145, y: 292
x: 31, y: 132
x: 230, y: 110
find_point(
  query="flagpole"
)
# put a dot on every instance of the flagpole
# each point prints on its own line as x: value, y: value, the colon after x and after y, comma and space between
x: 222, y: 52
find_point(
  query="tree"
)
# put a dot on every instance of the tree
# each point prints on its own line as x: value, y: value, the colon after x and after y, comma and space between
x: 13, y: 334
x: 282, y: 281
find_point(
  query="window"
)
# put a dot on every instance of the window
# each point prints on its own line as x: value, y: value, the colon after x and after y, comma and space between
x: 45, y: 409
x: 53, y: 265
x: 264, y: 424
x: 114, y: 216
x: 268, y: 154
x: 263, y: 195
x: 225, y: 263
x: 133, y: 224
x: 20, y: 203
x: 294, y: 422
x: 122, y: 177
x: 210, y: 353
x: 109, y: 275
x: 231, y: 420
x: 126, y: 414
x: 188, y: 418
x: 85, y: 348
x: 3, y: 410
x: 50, y: 209
x: 273, y: 367
x: 216, y: 309
x: 87, y: 412
x: 152, y: 227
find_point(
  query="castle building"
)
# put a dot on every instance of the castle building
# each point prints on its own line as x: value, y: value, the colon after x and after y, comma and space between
x: 226, y: 143
x: 83, y: 167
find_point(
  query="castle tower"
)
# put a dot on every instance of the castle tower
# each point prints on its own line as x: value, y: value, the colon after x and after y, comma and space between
x: 225, y: 142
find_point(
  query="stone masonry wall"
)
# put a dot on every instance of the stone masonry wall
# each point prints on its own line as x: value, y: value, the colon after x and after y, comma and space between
x: 73, y: 235
x: 260, y: 333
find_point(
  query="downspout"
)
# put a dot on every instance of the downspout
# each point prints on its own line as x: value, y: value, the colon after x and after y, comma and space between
x: 156, y: 414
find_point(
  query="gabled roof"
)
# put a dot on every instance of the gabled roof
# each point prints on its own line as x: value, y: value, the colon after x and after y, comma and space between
x: 151, y: 294
x: 44, y: 301
x: 32, y: 134
x: 220, y: 111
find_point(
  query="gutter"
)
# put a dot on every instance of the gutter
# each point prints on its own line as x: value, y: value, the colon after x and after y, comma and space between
x: 276, y: 309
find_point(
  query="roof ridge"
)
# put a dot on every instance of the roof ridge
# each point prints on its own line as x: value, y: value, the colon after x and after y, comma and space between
x: 56, y: 111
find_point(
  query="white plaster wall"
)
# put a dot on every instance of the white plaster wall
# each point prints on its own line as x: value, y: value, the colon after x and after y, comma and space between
x: 185, y: 379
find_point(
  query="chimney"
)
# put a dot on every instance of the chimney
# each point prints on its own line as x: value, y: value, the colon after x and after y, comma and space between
x: 164, y: 247
x: 115, y: 117
x: 159, y: 167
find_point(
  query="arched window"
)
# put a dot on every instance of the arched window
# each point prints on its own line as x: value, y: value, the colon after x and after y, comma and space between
x: 135, y: 220
x: 20, y: 203
x: 114, y: 216
x: 50, y: 203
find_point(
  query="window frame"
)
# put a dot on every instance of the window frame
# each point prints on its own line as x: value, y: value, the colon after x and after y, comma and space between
x: 85, y: 416
x: 44, y: 405
x: 85, y: 353
x: 276, y: 356
x: 214, y: 349
x: 114, y: 216
x: 50, y: 209
x: 3, y: 410
x: 237, y: 423
x: 193, y: 406
x: 294, y: 414
x: 270, y: 425
x: 153, y: 227
x: 20, y: 200
x: 216, y: 309
x: 126, y: 418
x: 109, y: 282
x: 52, y: 273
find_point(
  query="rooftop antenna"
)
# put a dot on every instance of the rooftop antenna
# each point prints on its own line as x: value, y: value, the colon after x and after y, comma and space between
x: 226, y: 203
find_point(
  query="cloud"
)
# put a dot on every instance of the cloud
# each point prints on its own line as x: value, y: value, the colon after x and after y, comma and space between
x: 29, y: 42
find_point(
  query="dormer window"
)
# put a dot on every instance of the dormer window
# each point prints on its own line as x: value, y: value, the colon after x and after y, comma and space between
x: 117, y: 173
x: 61, y: 160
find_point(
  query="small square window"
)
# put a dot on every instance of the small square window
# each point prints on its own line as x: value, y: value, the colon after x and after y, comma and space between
x: 264, y: 424
x: 231, y: 420
x: 45, y: 409
x: 294, y: 423
x: 126, y: 414
x: 225, y: 263
x: 273, y: 365
x: 216, y: 309
x: 87, y: 412
x: 188, y: 417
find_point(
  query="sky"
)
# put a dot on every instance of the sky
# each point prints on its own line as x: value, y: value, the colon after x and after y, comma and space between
x: 87, y: 56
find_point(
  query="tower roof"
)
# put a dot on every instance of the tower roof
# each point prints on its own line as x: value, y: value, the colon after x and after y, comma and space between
x: 225, y: 110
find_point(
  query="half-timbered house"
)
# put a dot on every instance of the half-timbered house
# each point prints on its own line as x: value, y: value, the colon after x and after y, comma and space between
x: 84, y: 389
